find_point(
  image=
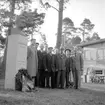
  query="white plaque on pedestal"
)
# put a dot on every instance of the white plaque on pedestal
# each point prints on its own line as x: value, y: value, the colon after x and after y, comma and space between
x: 16, y: 57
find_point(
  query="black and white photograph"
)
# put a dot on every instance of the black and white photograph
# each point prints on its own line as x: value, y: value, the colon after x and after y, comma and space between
x: 52, y: 52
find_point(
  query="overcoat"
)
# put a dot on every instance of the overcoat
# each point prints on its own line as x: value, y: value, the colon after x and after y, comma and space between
x: 32, y: 61
x: 78, y: 66
x: 78, y: 62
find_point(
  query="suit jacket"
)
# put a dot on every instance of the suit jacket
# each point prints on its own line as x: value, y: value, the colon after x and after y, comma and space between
x: 40, y: 60
x: 48, y: 60
x: 32, y: 61
x: 78, y: 61
x: 54, y: 63
x: 60, y: 62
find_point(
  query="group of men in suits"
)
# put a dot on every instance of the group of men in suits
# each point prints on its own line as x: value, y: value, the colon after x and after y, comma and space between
x: 52, y: 69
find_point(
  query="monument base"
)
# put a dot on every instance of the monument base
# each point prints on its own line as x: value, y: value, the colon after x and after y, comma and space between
x: 16, y: 57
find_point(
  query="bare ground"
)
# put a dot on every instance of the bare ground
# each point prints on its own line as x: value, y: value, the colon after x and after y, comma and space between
x: 53, y: 97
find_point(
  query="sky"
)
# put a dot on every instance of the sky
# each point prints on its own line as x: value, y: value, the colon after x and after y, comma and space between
x: 77, y: 10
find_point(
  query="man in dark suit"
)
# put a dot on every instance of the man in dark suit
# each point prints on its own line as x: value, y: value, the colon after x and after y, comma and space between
x: 41, y: 71
x: 54, y: 71
x: 48, y: 66
x: 68, y: 65
x: 55, y: 64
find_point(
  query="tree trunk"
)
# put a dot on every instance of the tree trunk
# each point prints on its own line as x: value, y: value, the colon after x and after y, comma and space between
x: 83, y: 35
x: 60, y: 18
x: 11, y: 17
x: 12, y: 9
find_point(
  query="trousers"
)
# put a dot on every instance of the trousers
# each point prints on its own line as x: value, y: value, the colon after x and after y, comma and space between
x: 61, y: 78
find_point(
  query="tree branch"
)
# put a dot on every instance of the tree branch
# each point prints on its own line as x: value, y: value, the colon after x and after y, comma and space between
x: 41, y: 2
x: 54, y: 8
x: 47, y: 4
x: 57, y: 1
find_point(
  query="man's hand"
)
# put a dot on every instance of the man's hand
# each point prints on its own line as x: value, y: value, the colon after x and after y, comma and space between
x: 56, y: 69
x: 46, y: 69
x: 53, y: 69
x: 82, y: 69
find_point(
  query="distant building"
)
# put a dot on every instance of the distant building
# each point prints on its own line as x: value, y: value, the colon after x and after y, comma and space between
x: 94, y: 60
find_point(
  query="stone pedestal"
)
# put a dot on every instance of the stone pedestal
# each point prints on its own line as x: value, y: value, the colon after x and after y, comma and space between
x: 16, y: 57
